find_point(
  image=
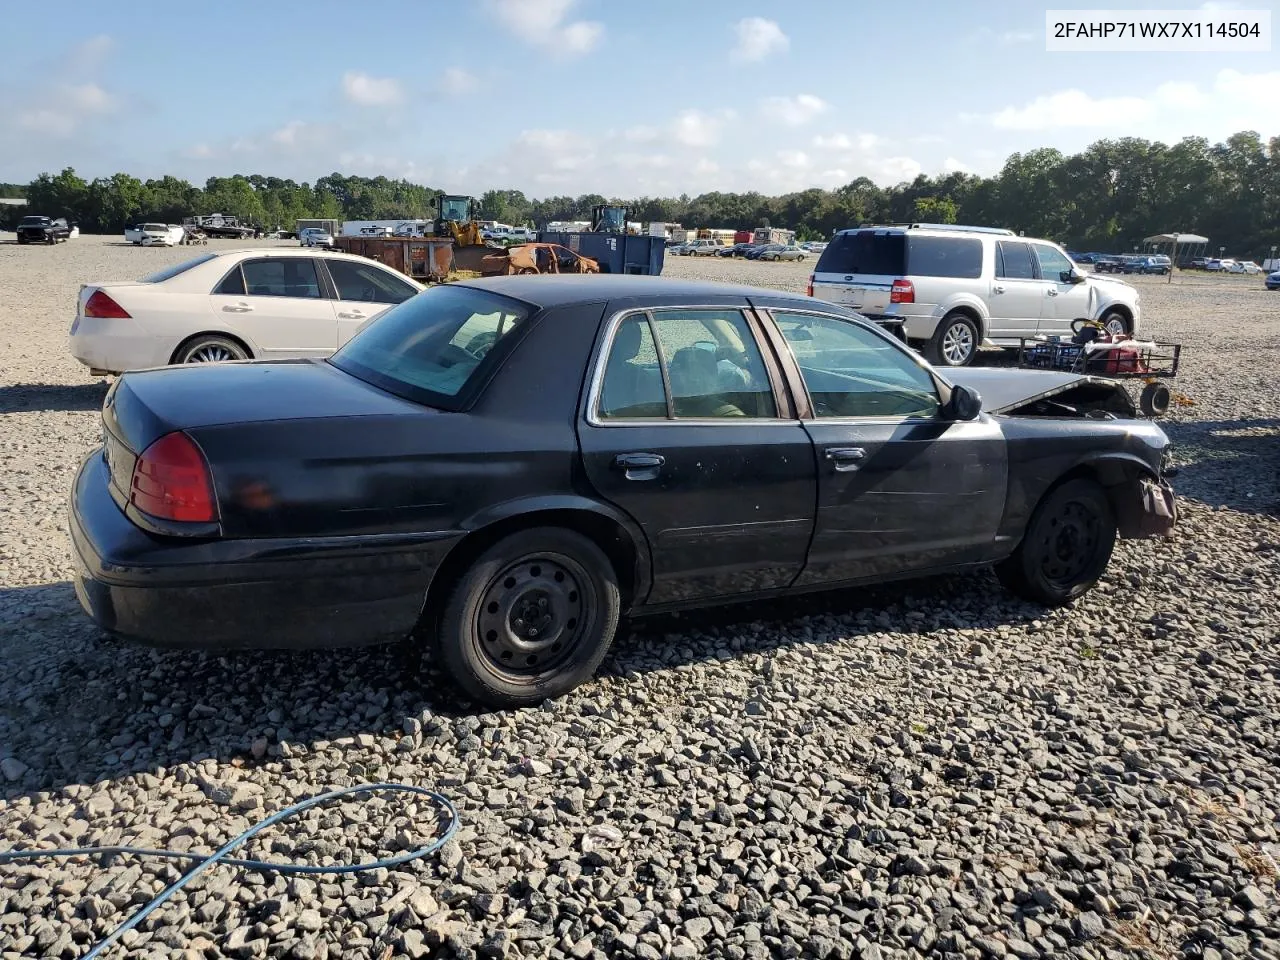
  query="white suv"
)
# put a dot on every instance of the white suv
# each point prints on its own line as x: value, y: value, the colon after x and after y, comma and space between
x: 958, y: 288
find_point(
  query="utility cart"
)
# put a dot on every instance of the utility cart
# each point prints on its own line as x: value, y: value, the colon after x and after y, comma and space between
x: 1093, y: 352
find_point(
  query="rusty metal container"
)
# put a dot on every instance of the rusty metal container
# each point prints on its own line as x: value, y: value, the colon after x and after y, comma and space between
x: 426, y: 259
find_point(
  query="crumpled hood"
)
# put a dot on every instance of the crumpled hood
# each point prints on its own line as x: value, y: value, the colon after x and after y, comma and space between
x: 1004, y: 389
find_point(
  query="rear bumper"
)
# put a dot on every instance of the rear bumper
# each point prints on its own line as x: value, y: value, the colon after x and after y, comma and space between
x: 281, y: 593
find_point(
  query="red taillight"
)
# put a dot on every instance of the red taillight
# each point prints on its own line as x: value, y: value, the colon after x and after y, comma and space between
x: 101, y: 305
x: 171, y: 481
x: 808, y: 290
x: 903, y: 292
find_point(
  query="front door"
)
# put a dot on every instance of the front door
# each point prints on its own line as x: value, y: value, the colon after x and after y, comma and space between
x: 900, y: 489
x: 1064, y: 301
x: 1017, y: 293
x: 277, y: 303
x: 683, y: 433
x: 364, y: 291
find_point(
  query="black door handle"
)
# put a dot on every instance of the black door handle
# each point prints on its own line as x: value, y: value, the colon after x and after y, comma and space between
x: 845, y: 459
x: 640, y: 460
x: 639, y: 466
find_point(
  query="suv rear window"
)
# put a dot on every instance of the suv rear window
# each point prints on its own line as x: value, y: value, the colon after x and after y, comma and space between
x: 435, y: 347
x: 958, y: 257
x: 867, y: 252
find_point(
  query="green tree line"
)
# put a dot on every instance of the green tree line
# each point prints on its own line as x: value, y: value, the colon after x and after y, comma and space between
x: 1107, y: 198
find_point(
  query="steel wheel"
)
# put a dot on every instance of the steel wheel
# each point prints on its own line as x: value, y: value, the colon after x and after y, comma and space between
x: 1069, y: 543
x: 1066, y: 545
x: 957, y: 343
x: 533, y: 615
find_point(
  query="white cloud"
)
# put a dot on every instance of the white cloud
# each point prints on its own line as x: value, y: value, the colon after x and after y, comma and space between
x: 371, y: 91
x: 61, y: 111
x: 793, y: 111
x: 758, y: 38
x: 199, y: 151
x: 952, y: 165
x: 1244, y: 98
x: 842, y: 141
x: 541, y: 23
x: 455, y: 80
x: 696, y: 129
x: 641, y: 134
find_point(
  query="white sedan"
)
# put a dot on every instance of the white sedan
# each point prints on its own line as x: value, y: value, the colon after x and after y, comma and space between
x: 239, y: 305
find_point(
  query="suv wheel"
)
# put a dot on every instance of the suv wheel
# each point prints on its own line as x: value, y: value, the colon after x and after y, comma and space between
x: 955, y: 341
x: 1116, y: 323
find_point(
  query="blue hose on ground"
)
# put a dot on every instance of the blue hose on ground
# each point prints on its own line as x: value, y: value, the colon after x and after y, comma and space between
x: 207, y: 860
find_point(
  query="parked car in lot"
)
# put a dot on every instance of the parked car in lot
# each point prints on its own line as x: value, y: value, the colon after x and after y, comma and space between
x: 1273, y: 281
x: 155, y: 235
x: 814, y: 246
x: 1216, y: 265
x: 1159, y: 265
x: 1110, y: 263
x: 703, y: 248
x: 959, y: 288
x: 1244, y: 266
x: 36, y: 229
x: 787, y: 252
x: 235, y: 305
x: 508, y: 466
x: 737, y: 250
x: 759, y: 250
x: 315, y: 237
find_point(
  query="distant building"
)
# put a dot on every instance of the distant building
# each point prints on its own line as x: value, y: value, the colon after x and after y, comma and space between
x: 12, y: 202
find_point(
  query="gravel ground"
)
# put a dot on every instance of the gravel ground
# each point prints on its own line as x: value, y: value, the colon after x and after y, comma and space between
x: 934, y: 769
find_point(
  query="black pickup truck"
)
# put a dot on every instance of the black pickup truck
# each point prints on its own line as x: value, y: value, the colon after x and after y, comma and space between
x: 43, y: 230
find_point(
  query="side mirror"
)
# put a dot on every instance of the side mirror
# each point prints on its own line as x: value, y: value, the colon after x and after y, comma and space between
x: 1072, y: 276
x: 965, y: 404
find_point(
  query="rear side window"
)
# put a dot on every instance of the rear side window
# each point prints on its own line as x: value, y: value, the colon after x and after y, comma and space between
x: 1014, y: 261
x: 958, y: 257
x: 431, y: 348
x: 866, y: 252
x: 160, y: 276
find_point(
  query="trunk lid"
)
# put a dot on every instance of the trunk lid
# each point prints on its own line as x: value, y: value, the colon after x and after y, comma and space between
x: 147, y: 404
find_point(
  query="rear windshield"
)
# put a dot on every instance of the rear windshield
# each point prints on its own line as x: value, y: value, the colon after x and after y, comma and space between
x: 434, y: 348
x: 959, y: 257
x: 160, y: 276
x: 865, y: 252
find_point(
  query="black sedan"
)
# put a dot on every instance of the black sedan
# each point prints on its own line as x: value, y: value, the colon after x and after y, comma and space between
x: 507, y: 466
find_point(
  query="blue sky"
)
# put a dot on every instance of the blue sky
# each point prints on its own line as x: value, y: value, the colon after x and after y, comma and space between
x: 573, y: 96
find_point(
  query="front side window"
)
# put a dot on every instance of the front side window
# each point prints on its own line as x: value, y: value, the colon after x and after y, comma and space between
x: 430, y: 348
x: 1014, y: 261
x: 281, y: 277
x: 1053, y: 263
x: 689, y: 364
x: 367, y: 283
x: 850, y: 371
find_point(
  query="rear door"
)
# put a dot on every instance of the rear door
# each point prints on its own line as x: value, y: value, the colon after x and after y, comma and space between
x: 689, y: 431
x: 364, y: 290
x: 1063, y: 301
x: 858, y: 269
x: 1017, y: 292
x: 901, y: 490
x: 280, y: 306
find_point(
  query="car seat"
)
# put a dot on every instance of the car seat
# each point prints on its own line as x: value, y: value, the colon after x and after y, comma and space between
x: 695, y: 385
x: 631, y: 389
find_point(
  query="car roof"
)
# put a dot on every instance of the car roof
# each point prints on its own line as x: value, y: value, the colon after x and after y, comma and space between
x: 559, y: 289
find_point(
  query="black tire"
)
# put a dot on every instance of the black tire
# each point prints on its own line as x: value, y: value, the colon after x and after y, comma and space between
x: 207, y: 348
x: 561, y: 580
x: 1116, y: 322
x: 945, y: 347
x: 1065, y: 548
x: 1154, y: 400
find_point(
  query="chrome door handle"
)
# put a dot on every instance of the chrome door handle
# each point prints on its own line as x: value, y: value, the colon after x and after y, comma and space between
x: 238, y: 308
x: 845, y: 459
x: 1053, y: 293
x: 354, y: 315
x: 997, y: 289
